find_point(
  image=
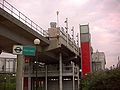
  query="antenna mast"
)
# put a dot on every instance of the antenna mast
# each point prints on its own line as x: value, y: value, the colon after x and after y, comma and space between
x: 57, y: 18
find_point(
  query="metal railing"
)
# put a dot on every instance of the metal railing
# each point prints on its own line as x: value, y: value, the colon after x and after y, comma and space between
x: 74, y: 44
x: 20, y: 16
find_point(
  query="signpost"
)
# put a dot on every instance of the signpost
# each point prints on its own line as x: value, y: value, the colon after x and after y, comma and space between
x: 20, y: 51
x: 17, y: 49
x: 25, y: 50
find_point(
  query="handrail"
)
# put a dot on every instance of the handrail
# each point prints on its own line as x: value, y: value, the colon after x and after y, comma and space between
x: 69, y: 38
x: 20, y: 16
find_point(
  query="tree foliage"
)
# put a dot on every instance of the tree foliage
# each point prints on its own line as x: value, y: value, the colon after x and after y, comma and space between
x: 7, y: 82
x: 102, y: 80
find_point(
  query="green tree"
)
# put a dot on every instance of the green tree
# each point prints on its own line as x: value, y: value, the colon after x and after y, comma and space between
x: 102, y: 80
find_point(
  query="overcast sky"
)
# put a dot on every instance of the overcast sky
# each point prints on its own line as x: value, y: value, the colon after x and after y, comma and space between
x: 103, y: 17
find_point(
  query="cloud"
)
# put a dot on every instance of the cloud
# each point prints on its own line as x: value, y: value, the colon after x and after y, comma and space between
x: 103, y: 17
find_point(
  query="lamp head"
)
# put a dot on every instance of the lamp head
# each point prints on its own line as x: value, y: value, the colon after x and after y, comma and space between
x: 80, y: 70
x: 36, y: 41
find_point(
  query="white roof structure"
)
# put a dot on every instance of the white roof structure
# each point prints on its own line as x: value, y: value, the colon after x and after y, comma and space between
x: 7, y: 55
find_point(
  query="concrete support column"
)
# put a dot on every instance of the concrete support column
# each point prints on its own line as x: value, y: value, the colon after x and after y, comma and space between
x: 60, y: 71
x: 46, y: 77
x: 19, y: 73
x: 29, y: 77
x: 73, y: 76
x: 14, y: 62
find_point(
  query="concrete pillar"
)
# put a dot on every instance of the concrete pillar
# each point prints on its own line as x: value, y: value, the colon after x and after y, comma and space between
x: 14, y: 62
x: 19, y: 73
x: 29, y: 77
x: 60, y: 71
x: 46, y: 77
x: 73, y: 76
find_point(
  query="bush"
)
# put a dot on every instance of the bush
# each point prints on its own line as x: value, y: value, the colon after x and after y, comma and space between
x: 7, y: 82
x: 102, y: 80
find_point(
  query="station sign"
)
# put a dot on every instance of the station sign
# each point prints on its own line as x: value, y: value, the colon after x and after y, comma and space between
x: 25, y: 50
x: 17, y: 49
x: 29, y: 50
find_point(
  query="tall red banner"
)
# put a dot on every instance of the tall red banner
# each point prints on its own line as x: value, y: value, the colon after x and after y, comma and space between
x: 85, y: 55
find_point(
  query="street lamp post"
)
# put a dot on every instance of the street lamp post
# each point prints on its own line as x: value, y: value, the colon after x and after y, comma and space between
x: 80, y: 79
x: 36, y: 42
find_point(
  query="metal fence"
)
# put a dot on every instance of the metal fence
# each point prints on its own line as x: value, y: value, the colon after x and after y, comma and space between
x: 20, y: 16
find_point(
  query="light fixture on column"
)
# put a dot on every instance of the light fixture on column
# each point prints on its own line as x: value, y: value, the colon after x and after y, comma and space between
x: 36, y: 42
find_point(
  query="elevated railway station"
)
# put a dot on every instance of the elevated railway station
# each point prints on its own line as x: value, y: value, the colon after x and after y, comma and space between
x: 57, y: 62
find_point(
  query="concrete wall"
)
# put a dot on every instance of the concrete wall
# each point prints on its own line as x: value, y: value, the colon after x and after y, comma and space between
x: 58, y: 37
x: 53, y: 85
x: 67, y: 85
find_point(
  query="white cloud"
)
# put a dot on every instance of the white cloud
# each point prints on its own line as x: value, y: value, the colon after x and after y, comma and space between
x: 103, y: 17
